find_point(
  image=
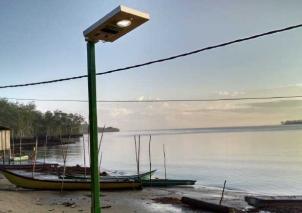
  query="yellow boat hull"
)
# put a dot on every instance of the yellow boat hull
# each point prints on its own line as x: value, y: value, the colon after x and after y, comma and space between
x: 42, y: 184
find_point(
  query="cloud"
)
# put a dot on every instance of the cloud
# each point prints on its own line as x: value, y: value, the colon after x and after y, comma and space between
x: 118, y: 112
x: 222, y: 106
x: 206, y: 114
x: 289, y: 104
x: 229, y: 93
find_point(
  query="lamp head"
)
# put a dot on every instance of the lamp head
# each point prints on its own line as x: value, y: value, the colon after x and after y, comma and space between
x: 115, y: 24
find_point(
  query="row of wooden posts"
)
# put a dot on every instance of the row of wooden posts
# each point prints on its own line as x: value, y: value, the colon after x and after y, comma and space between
x: 137, y: 145
x: 137, y: 154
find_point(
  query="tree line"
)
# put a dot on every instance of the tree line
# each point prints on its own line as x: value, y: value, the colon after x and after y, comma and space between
x: 26, y: 121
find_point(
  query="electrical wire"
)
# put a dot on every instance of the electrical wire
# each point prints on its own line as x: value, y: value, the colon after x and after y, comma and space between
x: 159, y: 101
x: 159, y: 60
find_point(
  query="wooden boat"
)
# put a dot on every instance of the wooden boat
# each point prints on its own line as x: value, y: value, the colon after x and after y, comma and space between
x: 207, y: 206
x: 20, y: 158
x: 273, y: 201
x: 142, y: 176
x: 56, y: 184
x: 167, y: 182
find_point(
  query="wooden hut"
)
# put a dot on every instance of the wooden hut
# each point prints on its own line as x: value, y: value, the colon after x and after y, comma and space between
x: 5, y: 141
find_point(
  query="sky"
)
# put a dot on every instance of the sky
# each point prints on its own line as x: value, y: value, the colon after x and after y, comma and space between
x: 42, y: 40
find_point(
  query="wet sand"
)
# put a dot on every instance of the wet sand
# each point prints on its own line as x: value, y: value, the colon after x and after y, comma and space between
x: 14, y: 199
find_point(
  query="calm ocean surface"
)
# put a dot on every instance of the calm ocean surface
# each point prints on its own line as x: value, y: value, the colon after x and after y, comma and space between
x: 263, y: 159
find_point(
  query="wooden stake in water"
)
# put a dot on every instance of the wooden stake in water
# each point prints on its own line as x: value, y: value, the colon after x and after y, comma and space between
x: 20, y: 144
x: 101, y: 139
x: 101, y: 156
x: 222, y: 193
x: 3, y: 156
x: 88, y: 143
x: 35, y: 152
x: 84, y: 148
x: 136, y: 155
x: 3, y: 148
x: 13, y: 144
x: 10, y: 156
x: 45, y: 148
x: 164, y: 151
x: 65, y: 149
x: 139, y: 153
x: 150, y: 158
x: 100, y: 147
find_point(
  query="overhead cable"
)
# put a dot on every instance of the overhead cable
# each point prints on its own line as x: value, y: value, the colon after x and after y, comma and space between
x: 158, y: 100
x: 159, y: 60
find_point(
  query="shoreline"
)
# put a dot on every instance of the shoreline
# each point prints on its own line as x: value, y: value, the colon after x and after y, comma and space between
x: 13, y: 199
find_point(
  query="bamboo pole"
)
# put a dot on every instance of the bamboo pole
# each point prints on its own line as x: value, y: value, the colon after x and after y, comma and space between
x: 10, y: 155
x: 101, y: 139
x: 3, y: 156
x: 35, y: 152
x: 13, y: 145
x: 136, y: 156
x: 20, y: 146
x: 45, y: 148
x: 222, y: 193
x: 88, y: 143
x: 101, y: 156
x: 63, y: 156
x: 100, y: 148
x: 3, y: 145
x: 164, y: 151
x: 6, y: 146
x: 150, y: 159
x: 32, y: 161
x: 139, y: 153
x: 65, y: 150
x: 62, y: 145
x: 84, y: 148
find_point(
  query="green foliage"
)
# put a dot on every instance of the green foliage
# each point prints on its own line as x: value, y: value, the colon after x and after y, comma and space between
x: 26, y: 120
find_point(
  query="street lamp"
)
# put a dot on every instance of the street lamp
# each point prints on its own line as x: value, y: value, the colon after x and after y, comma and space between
x: 115, y: 24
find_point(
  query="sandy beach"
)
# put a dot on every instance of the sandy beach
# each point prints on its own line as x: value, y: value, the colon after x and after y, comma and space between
x: 14, y: 199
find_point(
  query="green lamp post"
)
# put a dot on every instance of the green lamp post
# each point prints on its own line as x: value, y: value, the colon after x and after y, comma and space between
x: 115, y: 24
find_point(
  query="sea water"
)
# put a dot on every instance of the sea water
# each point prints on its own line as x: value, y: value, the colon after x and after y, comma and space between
x: 263, y: 159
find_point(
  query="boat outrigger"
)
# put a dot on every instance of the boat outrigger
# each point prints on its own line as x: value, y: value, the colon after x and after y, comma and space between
x: 142, y: 176
x: 167, y: 182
